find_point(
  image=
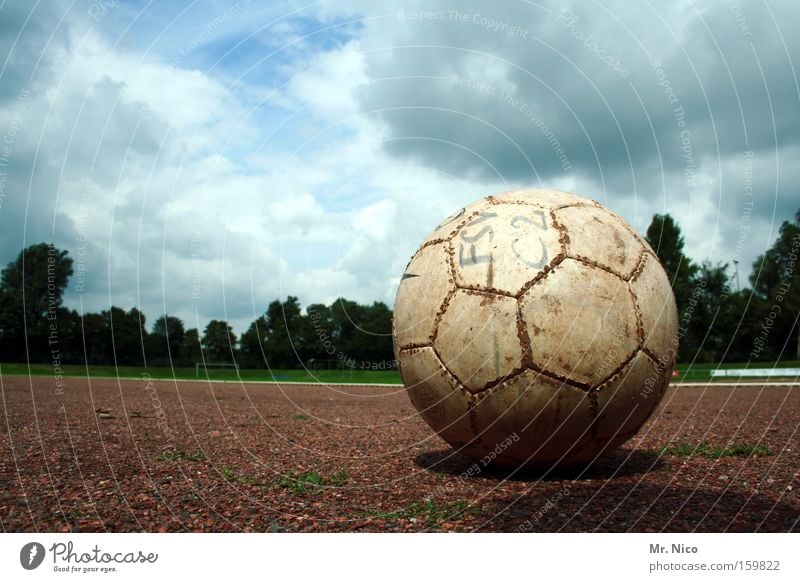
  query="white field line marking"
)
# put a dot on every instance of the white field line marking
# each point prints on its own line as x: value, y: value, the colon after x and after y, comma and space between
x: 206, y: 381
x: 293, y: 382
x: 676, y: 384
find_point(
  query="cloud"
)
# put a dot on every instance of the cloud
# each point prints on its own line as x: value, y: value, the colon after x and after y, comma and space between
x: 646, y: 109
x: 209, y: 165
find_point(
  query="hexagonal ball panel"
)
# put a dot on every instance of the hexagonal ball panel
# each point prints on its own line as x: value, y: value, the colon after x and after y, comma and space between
x: 445, y: 229
x: 477, y: 338
x: 504, y: 247
x: 547, y: 421
x: 434, y: 393
x: 543, y: 198
x: 626, y: 402
x: 657, y: 309
x: 420, y: 294
x: 581, y: 322
x: 599, y: 236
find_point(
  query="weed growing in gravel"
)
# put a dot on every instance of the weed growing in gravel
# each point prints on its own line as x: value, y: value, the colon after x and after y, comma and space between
x: 230, y: 475
x: 703, y: 449
x: 311, y: 481
x: 248, y: 480
x: 298, y: 416
x: 180, y: 455
x: 430, y: 511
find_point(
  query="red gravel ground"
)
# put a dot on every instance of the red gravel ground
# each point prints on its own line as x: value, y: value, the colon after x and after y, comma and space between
x: 164, y: 456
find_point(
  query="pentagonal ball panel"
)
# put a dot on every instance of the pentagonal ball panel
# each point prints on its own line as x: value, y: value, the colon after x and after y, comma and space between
x: 436, y: 395
x: 477, y: 338
x: 581, y: 322
x: 420, y: 295
x: 599, y: 236
x: 657, y: 310
x: 503, y: 247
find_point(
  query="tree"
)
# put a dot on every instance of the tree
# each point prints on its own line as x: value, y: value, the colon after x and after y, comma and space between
x: 345, y: 315
x: 283, y: 337
x: 664, y: 235
x: 713, y: 321
x: 96, y: 339
x: 251, y: 344
x: 219, y: 342
x: 346, y: 332
x: 190, y: 347
x: 371, y: 337
x: 114, y: 336
x: 776, y: 283
x: 128, y: 335
x: 319, y: 341
x: 166, y: 341
x: 31, y: 290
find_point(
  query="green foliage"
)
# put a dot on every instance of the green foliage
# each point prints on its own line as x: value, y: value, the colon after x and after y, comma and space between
x: 776, y: 283
x: 342, y: 335
x: 165, y: 342
x: 703, y: 449
x: 251, y: 350
x: 232, y: 476
x: 191, y: 349
x: 219, y: 342
x: 711, y: 317
x: 32, y: 321
x: 720, y: 324
x: 248, y: 480
x: 126, y: 330
x: 664, y: 235
x: 311, y: 481
x: 347, y: 341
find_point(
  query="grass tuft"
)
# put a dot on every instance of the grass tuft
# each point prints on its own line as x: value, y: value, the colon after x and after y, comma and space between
x: 311, y: 481
x: 230, y: 475
x: 703, y: 449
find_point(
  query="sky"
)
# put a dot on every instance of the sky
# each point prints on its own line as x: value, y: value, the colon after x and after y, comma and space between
x: 204, y: 158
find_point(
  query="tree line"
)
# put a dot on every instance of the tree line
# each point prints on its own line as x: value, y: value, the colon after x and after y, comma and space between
x: 36, y: 327
x: 718, y: 321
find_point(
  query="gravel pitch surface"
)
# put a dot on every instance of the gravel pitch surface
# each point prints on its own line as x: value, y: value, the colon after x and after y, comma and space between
x: 111, y: 455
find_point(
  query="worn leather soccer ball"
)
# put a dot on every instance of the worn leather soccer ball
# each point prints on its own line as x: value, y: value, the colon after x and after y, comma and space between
x: 535, y: 328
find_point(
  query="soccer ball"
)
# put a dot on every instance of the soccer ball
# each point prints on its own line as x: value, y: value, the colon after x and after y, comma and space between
x: 535, y: 328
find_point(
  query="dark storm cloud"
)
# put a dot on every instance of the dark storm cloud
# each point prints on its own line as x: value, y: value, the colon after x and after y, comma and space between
x: 22, y: 37
x: 138, y: 164
x: 605, y: 92
x: 683, y: 108
x: 23, y: 32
